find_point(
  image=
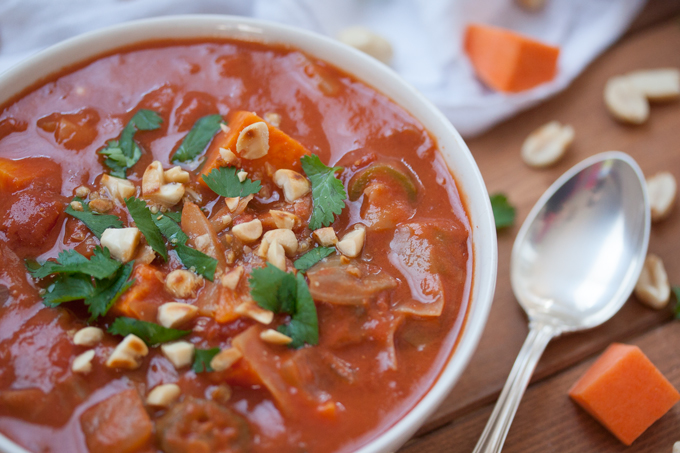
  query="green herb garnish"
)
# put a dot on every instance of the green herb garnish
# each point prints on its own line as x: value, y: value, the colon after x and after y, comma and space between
x: 328, y: 192
x: 150, y: 332
x: 145, y: 222
x: 503, y: 211
x: 108, y: 291
x: 304, y: 324
x: 74, y: 281
x: 199, y: 262
x: 312, y: 257
x: 170, y: 229
x: 124, y: 153
x: 676, y: 293
x: 97, y: 223
x: 176, y: 216
x: 100, y: 265
x: 283, y: 292
x: 224, y: 181
x: 202, y: 359
x: 198, y: 138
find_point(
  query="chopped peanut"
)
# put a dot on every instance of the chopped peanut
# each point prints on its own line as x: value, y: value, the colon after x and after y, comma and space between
x: 325, y: 237
x: 174, y: 314
x: 352, y: 243
x: 83, y: 362
x: 182, y: 283
x: 286, y: 238
x: 179, y: 353
x: 227, y: 156
x: 273, y: 118
x: 248, y: 231
x: 77, y: 206
x: 253, y: 141
x: 119, y: 189
x: 242, y: 175
x: 253, y: 311
x: 657, y: 84
x: 82, y: 191
x: 230, y: 279
x: 128, y: 354
x: 163, y: 395
x: 169, y: 195
x: 283, y: 219
x: 294, y: 185
x: 276, y: 255
x: 100, y: 205
x: 176, y: 174
x: 652, y: 287
x: 275, y: 337
x: 232, y: 203
x: 88, y: 336
x: 153, y: 178
x: 225, y: 359
x: 121, y: 242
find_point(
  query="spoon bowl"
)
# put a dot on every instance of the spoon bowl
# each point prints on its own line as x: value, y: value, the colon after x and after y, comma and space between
x: 579, y: 252
x: 574, y: 264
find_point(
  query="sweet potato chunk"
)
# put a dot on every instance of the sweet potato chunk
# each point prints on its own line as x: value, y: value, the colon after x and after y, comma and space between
x: 284, y: 152
x: 119, y: 424
x: 625, y: 392
x: 30, y: 216
x: 507, y: 61
x: 141, y: 301
x: 19, y: 174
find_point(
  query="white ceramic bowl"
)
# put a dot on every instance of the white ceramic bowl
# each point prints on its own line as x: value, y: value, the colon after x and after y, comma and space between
x: 455, y: 152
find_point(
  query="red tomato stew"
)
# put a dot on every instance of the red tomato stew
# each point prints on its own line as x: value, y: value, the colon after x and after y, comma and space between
x: 221, y: 246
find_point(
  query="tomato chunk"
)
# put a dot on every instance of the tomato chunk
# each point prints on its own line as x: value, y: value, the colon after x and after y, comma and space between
x: 73, y: 130
x: 41, y: 172
x: 119, y: 424
x: 29, y: 217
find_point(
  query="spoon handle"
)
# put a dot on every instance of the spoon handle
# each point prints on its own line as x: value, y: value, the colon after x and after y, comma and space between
x: 497, y: 427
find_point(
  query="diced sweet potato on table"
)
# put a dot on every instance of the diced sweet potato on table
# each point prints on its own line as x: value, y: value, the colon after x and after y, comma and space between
x: 508, y: 61
x: 625, y: 392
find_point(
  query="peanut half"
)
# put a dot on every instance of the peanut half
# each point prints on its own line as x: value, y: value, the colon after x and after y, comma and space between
x: 625, y: 101
x: 652, y: 287
x: 661, y: 189
x: 547, y: 144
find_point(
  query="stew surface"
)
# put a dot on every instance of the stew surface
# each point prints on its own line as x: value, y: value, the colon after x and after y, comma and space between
x: 169, y: 195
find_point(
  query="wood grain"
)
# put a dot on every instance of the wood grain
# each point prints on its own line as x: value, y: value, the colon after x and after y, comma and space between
x: 655, y: 145
x: 548, y: 421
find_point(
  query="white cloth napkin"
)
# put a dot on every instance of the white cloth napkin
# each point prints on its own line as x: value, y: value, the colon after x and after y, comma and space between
x: 426, y: 36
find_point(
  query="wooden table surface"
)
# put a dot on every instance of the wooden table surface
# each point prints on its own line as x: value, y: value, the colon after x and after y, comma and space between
x: 547, y: 420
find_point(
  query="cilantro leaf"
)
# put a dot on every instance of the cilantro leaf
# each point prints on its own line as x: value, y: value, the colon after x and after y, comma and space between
x: 312, y: 257
x: 273, y: 289
x: 202, y: 359
x: 67, y: 288
x: 198, y: 138
x: 144, y: 221
x: 151, y: 333
x: 201, y: 263
x: 283, y: 292
x: 100, y: 265
x: 223, y: 181
x: 108, y: 291
x: 170, y: 229
x: 503, y: 211
x: 124, y: 153
x: 176, y: 216
x: 97, y: 223
x: 328, y: 192
x: 304, y: 325
x: 676, y: 293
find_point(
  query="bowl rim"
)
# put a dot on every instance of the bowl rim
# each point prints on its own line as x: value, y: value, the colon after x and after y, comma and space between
x: 16, y: 81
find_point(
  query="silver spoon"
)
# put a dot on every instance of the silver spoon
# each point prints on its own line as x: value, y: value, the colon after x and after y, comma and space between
x: 574, y: 263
